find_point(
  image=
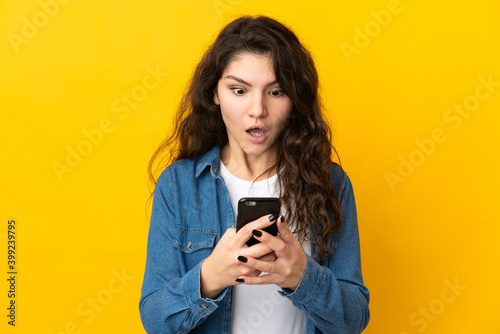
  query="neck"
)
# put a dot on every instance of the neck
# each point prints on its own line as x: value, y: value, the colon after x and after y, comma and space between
x: 249, y: 167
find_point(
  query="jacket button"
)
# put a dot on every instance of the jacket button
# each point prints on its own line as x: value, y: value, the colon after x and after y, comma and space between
x: 205, y: 307
x: 189, y: 244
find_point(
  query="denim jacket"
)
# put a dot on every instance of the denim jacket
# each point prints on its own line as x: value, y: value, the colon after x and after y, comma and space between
x: 191, y: 211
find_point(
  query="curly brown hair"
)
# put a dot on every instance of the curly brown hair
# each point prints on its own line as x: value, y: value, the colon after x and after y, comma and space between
x: 305, y: 150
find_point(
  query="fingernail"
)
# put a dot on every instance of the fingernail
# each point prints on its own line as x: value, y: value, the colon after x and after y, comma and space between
x: 240, y: 280
x: 271, y: 218
x: 282, y: 219
x: 257, y: 233
x: 242, y: 259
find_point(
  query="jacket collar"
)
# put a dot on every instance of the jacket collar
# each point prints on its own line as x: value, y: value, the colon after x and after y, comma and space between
x: 210, y: 159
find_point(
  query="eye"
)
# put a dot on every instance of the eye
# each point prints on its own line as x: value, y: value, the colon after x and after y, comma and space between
x: 276, y: 93
x: 238, y: 91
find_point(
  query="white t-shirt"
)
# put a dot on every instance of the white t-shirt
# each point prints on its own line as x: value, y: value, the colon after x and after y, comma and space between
x: 260, y: 309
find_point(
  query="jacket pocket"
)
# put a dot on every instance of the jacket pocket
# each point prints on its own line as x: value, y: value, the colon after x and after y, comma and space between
x: 190, y: 240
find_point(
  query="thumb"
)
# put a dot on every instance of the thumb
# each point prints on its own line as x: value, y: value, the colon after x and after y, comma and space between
x: 230, y: 232
x: 286, y: 233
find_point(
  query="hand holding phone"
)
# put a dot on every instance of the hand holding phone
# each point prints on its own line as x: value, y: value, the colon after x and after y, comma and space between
x: 252, y: 208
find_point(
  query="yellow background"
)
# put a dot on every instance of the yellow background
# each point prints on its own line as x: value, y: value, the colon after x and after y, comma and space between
x: 438, y: 225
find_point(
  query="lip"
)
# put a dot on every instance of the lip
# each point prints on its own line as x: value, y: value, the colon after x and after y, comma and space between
x: 256, y: 128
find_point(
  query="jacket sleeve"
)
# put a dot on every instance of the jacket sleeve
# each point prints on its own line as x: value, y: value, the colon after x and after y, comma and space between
x: 333, y: 296
x: 170, y: 300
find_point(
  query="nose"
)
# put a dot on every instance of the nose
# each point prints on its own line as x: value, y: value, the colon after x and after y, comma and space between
x: 257, y: 108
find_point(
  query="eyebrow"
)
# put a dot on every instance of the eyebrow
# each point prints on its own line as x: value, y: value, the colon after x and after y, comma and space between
x: 246, y: 83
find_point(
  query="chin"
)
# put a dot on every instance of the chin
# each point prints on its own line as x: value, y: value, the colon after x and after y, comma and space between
x: 256, y: 150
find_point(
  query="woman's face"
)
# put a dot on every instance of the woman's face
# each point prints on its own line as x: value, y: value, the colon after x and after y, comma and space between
x: 253, y: 106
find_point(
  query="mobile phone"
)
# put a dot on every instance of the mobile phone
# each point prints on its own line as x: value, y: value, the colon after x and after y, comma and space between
x: 252, y: 208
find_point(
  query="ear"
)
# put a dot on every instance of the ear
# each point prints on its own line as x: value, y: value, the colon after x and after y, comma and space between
x: 216, y: 97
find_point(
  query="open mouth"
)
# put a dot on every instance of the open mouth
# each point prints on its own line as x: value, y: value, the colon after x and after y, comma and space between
x: 256, y: 132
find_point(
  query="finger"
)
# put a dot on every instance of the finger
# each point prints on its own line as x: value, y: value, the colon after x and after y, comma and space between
x: 256, y: 251
x: 277, y: 244
x: 231, y: 231
x: 247, y: 271
x: 286, y: 233
x: 245, y: 233
x: 271, y: 257
x: 243, y: 279
x: 265, y: 266
x: 259, y: 280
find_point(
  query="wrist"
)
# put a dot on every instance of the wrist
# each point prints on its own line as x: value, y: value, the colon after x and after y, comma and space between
x: 208, y: 281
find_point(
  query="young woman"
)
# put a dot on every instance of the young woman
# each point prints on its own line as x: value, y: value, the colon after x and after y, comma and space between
x: 251, y: 125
